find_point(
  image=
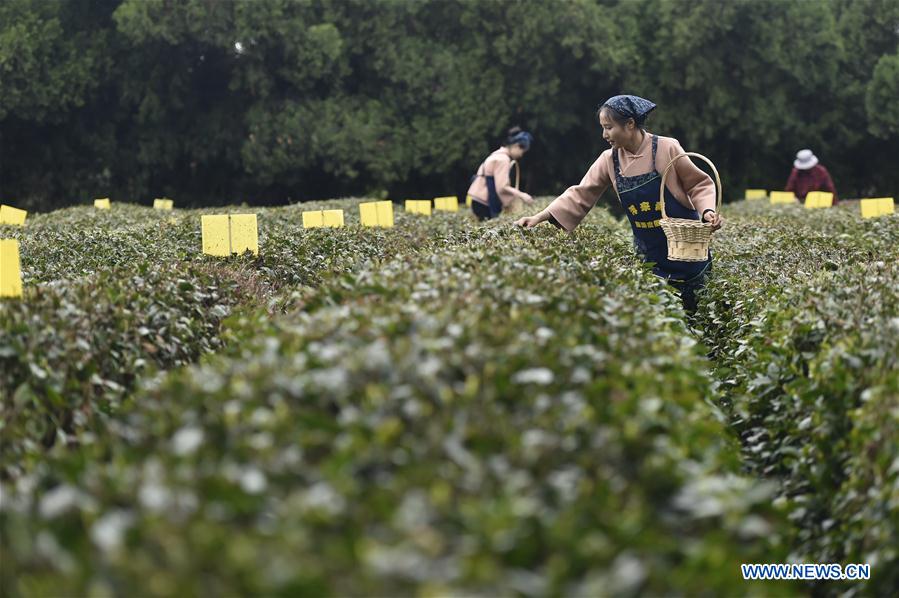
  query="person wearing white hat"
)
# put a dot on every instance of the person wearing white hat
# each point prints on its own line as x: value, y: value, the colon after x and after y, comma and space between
x: 809, y: 175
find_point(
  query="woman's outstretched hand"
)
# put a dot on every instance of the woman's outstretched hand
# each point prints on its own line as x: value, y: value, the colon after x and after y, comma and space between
x: 532, y: 221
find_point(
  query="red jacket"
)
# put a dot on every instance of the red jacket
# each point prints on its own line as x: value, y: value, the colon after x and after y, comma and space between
x: 815, y: 178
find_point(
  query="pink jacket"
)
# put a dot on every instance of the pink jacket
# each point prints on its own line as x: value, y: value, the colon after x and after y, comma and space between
x: 498, y: 164
x: 685, y: 181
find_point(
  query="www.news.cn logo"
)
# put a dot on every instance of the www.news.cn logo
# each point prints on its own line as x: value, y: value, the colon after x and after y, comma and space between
x: 805, y: 571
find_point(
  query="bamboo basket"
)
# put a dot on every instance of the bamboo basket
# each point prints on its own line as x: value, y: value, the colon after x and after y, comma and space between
x: 688, y: 240
x: 516, y: 205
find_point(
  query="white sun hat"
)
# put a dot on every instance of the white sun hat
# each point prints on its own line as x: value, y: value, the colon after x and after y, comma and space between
x: 805, y: 159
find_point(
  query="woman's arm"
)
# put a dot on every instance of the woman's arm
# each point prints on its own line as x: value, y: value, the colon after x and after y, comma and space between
x: 572, y: 206
x: 507, y: 193
x: 697, y: 185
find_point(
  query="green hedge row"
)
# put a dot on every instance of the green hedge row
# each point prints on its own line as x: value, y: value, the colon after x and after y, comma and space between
x: 803, y: 319
x: 506, y: 412
x: 445, y: 407
x: 114, y: 295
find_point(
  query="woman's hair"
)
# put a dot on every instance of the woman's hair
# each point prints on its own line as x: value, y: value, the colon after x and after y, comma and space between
x: 620, y: 118
x: 518, y: 136
x: 511, y: 133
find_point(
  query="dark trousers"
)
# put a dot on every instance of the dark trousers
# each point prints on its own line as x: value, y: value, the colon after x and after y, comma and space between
x: 688, y: 289
x: 481, y: 211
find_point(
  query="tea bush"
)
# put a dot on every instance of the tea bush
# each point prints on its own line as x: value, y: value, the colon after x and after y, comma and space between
x: 445, y: 408
x: 487, y: 411
x: 115, y: 293
x: 803, y: 318
x: 73, y: 351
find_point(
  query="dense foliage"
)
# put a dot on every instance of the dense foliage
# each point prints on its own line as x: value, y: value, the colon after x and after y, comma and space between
x: 264, y: 101
x: 445, y: 407
x: 804, y: 330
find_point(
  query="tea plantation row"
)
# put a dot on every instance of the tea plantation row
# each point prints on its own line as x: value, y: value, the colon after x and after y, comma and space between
x: 803, y: 319
x: 444, y: 407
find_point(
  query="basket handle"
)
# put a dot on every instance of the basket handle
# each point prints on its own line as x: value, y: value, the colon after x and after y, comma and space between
x: 517, y: 172
x: 714, y: 170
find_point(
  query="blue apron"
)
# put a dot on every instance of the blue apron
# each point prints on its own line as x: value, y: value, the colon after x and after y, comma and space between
x: 494, y: 206
x: 639, y: 196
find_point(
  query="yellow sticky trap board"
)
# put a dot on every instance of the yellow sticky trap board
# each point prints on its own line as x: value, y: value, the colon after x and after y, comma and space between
x: 756, y: 194
x: 879, y: 206
x: 782, y: 197
x: 244, y: 233
x: 326, y: 218
x: 163, y: 204
x: 385, y: 214
x: 818, y: 199
x: 368, y: 213
x: 102, y: 204
x: 376, y: 213
x: 332, y: 218
x: 887, y: 206
x: 468, y: 201
x: 419, y: 206
x: 446, y: 204
x: 11, y: 215
x: 313, y: 219
x: 224, y: 235
x: 10, y: 269
x: 216, y: 236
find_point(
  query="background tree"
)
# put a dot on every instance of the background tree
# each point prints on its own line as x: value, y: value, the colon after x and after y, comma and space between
x: 282, y: 100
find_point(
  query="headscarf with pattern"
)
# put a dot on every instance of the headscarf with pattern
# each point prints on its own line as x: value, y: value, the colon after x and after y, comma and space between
x: 522, y: 138
x: 631, y: 107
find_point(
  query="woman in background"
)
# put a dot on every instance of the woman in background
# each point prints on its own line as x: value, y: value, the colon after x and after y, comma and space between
x: 491, y: 191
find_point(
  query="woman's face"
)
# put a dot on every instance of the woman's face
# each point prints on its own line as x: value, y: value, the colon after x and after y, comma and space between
x: 516, y: 151
x: 613, y: 132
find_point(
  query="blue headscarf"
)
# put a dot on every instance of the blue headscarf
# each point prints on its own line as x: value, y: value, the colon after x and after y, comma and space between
x: 522, y: 138
x: 631, y: 107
